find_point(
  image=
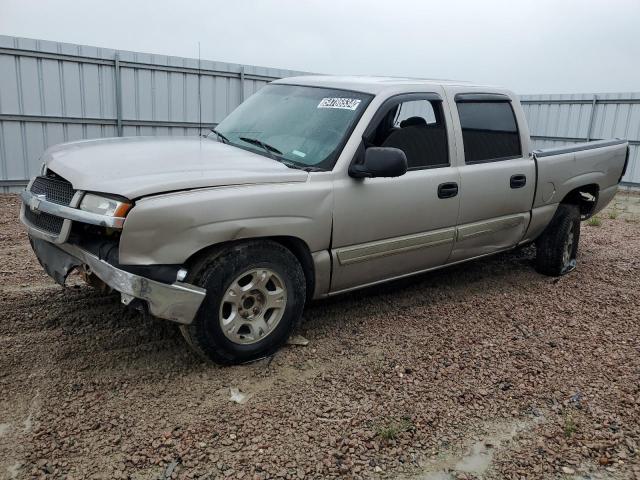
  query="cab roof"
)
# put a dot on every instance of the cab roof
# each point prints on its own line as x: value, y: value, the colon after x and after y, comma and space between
x: 366, y: 84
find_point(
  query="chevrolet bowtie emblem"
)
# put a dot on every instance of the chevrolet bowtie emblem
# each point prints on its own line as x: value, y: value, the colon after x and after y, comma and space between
x: 34, y: 203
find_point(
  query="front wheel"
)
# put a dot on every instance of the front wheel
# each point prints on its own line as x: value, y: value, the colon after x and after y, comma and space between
x: 255, y: 297
x: 557, y: 247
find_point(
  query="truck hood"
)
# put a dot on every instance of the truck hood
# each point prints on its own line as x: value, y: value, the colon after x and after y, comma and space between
x: 138, y: 166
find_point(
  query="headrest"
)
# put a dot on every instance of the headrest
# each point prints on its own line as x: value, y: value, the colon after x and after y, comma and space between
x: 412, y: 121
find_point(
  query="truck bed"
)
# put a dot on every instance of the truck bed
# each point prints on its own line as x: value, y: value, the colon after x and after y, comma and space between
x: 594, y: 167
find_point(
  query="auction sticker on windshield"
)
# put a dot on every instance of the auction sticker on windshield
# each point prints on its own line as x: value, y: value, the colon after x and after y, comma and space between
x: 339, y: 102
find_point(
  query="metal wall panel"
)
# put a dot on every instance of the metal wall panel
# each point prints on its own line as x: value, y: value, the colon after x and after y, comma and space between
x: 54, y: 92
x: 556, y: 120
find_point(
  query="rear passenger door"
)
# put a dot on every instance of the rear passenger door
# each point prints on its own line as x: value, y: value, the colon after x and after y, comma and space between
x: 497, y: 179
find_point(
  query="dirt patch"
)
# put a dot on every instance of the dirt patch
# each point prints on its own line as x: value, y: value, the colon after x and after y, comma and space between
x: 625, y: 205
x: 394, y: 380
x: 475, y: 459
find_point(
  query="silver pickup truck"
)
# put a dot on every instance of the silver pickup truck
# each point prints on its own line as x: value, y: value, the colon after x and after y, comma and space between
x: 312, y: 187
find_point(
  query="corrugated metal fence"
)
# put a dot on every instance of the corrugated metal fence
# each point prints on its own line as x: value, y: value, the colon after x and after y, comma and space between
x: 54, y: 92
x: 556, y: 120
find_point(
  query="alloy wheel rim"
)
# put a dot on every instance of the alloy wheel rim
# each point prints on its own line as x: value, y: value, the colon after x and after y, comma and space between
x: 252, y: 306
x: 568, y: 247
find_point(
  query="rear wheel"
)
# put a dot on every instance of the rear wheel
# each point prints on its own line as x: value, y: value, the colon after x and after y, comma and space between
x: 255, y: 297
x: 557, y: 247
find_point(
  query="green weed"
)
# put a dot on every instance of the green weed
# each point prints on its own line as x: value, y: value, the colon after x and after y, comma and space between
x: 594, y: 222
x: 391, y: 430
x: 570, y: 426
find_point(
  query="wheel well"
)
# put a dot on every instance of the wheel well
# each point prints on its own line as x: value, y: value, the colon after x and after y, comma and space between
x: 295, y: 245
x: 585, y: 197
x: 301, y: 250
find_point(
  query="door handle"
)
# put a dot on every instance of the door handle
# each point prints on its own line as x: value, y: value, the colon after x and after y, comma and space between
x: 518, y: 181
x: 447, y: 190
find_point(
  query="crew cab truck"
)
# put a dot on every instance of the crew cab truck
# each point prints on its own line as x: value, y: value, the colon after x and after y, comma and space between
x: 312, y: 187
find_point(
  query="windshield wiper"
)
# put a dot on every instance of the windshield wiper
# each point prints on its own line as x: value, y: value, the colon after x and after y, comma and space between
x: 306, y: 168
x: 223, y: 138
x: 270, y: 149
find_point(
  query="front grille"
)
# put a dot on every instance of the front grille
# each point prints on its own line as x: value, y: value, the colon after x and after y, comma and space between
x: 43, y: 221
x: 55, y: 189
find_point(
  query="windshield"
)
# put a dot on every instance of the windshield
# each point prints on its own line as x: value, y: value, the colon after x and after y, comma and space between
x: 301, y: 126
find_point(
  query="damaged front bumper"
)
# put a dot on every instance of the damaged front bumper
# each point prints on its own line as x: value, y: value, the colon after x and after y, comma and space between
x: 178, y: 301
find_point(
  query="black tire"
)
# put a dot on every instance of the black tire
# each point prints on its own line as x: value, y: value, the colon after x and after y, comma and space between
x: 557, y: 247
x: 216, y: 273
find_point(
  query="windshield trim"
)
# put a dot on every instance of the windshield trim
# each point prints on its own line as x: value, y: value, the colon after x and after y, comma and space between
x: 329, y: 163
x: 340, y: 89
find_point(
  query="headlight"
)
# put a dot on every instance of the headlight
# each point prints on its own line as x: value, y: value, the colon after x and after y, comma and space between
x: 109, y: 207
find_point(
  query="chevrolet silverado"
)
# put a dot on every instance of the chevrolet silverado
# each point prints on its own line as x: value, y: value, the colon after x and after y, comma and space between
x: 312, y: 187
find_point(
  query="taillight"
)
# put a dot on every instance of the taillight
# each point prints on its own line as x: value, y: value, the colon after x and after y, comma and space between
x: 626, y: 163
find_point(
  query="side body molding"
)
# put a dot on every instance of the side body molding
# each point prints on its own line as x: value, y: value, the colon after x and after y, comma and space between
x: 391, y: 246
x: 466, y: 232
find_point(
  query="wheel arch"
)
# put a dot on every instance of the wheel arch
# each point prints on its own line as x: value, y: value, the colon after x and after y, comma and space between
x: 297, y: 246
x: 585, y: 197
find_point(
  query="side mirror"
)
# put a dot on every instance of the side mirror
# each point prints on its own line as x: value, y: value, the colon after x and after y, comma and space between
x: 380, y: 162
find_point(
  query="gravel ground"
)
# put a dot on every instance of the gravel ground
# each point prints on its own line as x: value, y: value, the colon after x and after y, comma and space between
x: 486, y: 370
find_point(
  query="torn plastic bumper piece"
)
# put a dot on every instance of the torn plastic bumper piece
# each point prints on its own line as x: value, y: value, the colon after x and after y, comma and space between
x: 178, y: 302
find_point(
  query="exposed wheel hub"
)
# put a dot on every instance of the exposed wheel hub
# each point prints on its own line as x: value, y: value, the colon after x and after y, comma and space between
x: 251, y: 304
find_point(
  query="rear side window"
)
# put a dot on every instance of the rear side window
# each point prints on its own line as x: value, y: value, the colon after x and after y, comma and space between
x: 489, y: 131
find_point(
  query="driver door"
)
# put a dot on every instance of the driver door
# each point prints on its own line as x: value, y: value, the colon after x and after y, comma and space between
x: 389, y: 227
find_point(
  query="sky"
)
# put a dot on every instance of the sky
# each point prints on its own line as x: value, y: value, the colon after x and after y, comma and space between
x: 529, y: 46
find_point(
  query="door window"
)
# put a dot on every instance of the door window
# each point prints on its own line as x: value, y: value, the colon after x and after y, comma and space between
x: 489, y: 131
x: 417, y: 128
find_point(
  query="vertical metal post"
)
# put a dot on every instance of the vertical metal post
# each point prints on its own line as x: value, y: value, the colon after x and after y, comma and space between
x: 592, y: 117
x: 199, y: 93
x: 242, y: 84
x: 118, y: 96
